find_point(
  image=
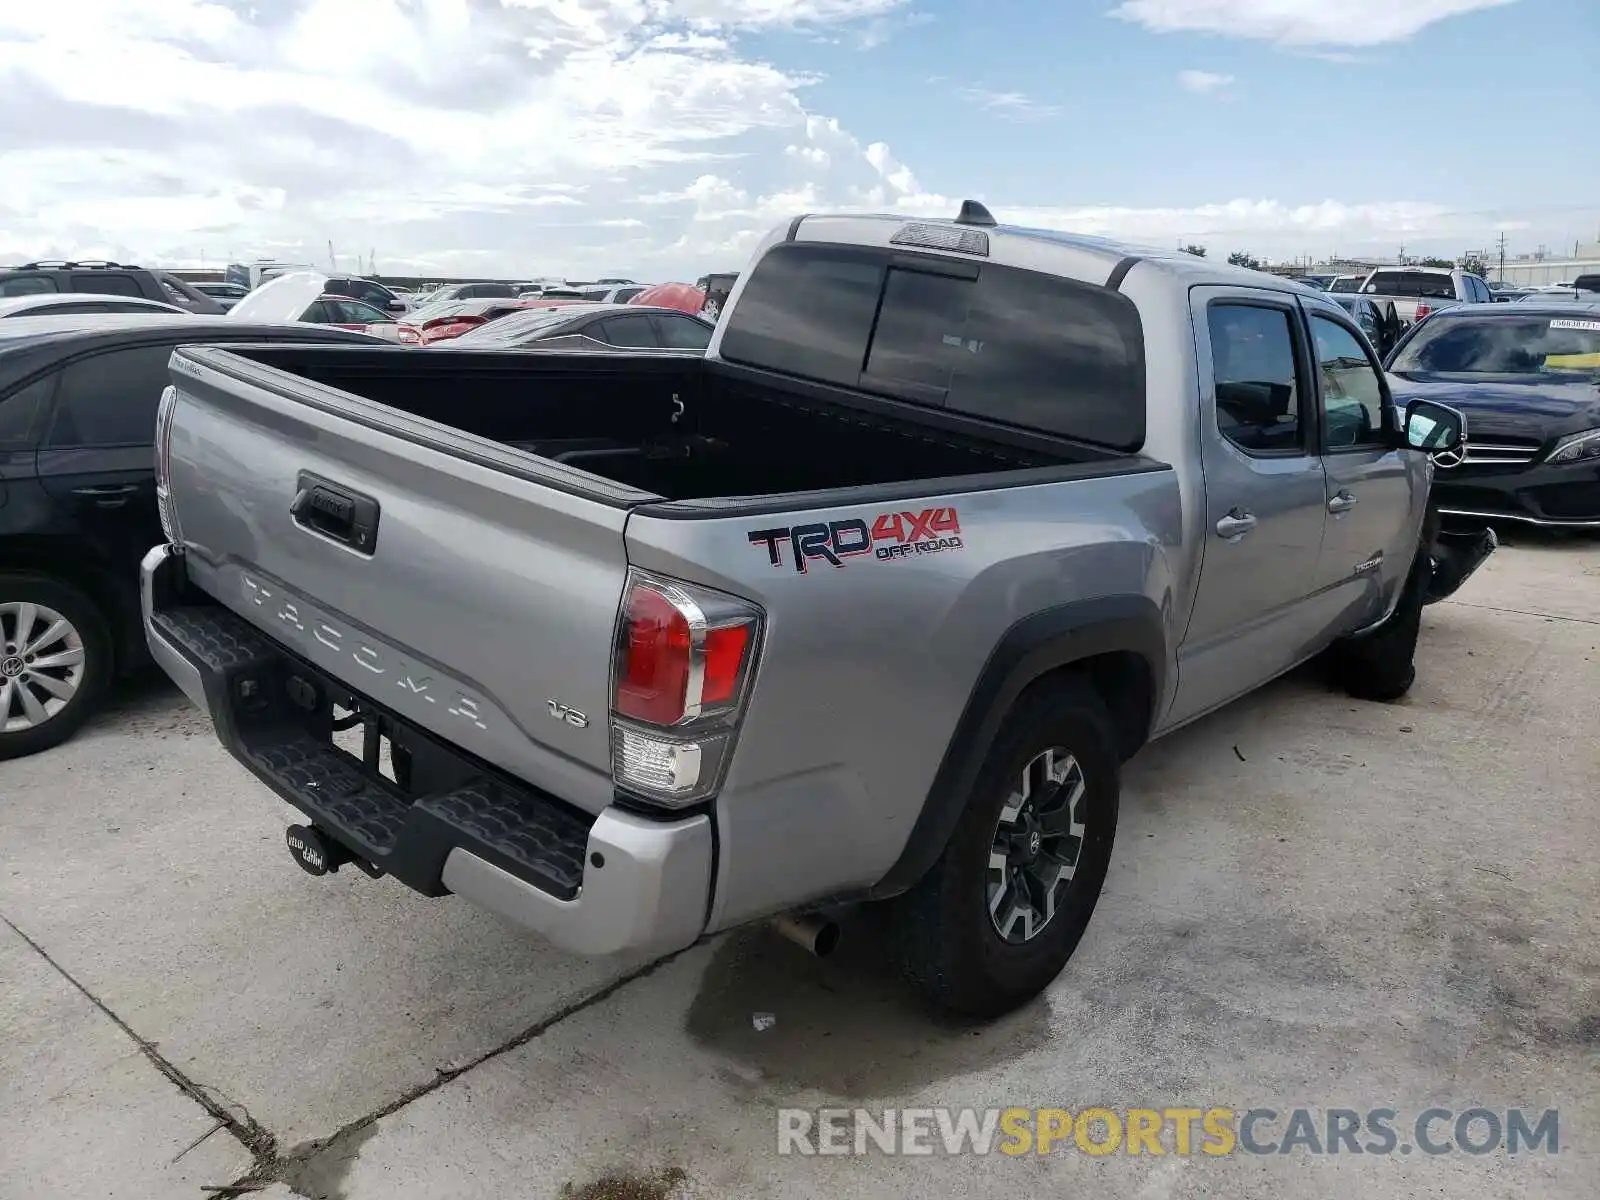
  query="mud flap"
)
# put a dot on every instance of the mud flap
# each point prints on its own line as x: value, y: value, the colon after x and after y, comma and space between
x: 1455, y: 555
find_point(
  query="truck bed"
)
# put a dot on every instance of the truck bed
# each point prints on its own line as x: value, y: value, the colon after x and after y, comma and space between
x: 672, y: 427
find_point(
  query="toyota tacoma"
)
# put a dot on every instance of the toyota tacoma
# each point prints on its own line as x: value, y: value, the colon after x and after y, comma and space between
x: 869, y: 602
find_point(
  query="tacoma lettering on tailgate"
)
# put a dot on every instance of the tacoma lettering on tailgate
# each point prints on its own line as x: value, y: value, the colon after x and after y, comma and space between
x: 888, y: 536
x: 296, y: 617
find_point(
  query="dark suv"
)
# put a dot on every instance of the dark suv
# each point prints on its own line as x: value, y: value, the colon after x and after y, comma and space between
x: 78, y: 399
x: 106, y: 279
x: 365, y: 290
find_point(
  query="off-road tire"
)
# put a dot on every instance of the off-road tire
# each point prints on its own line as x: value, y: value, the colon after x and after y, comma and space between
x: 940, y: 934
x: 89, y: 622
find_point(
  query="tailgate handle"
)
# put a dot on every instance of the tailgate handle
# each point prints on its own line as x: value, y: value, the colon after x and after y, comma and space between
x: 335, y: 512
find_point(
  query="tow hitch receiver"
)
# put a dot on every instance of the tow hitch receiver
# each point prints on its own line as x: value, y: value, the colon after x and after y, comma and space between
x: 318, y: 854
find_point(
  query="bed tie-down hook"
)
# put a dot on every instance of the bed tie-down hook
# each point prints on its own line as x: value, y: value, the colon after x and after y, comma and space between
x: 677, y: 408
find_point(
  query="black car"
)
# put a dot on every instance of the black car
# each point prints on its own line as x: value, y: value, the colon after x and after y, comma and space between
x: 1527, y: 376
x: 1381, y: 325
x: 105, y: 279
x: 626, y: 326
x: 78, y: 397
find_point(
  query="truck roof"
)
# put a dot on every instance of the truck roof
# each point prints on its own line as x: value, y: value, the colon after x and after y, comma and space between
x: 1074, y: 255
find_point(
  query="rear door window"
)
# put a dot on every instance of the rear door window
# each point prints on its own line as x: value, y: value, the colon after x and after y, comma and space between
x: 1015, y: 347
x: 630, y: 331
x: 682, y: 333
x: 106, y: 284
x: 1256, y: 378
x: 26, y: 285
x: 110, y: 399
x: 21, y: 411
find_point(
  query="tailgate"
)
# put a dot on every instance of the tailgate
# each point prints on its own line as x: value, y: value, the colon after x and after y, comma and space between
x: 468, y: 587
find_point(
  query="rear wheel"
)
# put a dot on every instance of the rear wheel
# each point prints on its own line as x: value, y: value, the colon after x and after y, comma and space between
x: 999, y: 914
x: 55, y: 660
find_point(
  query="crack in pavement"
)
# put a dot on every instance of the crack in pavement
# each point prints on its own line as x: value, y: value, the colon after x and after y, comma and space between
x: 316, y: 1169
x: 257, y: 1140
x: 1522, y: 612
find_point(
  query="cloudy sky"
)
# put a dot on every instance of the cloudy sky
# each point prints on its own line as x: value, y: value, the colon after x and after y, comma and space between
x: 657, y: 138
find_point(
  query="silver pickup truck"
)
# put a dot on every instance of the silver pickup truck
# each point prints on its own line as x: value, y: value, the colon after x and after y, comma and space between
x: 868, y: 603
x: 1414, y: 292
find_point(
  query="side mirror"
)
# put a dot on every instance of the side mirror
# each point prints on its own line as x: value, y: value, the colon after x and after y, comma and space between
x: 1434, y: 427
x: 396, y: 305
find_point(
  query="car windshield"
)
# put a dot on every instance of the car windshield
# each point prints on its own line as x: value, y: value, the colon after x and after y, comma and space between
x: 1346, y: 283
x: 517, y: 327
x: 1531, y: 345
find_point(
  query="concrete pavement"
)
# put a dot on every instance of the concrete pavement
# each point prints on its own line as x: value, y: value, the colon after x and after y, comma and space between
x: 1314, y: 902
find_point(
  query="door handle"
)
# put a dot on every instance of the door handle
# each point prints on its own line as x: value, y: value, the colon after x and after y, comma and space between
x: 1236, y: 524
x: 1342, y: 503
x: 109, y: 495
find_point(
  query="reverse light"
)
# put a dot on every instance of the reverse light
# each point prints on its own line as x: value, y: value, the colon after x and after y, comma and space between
x: 684, y: 659
x: 1577, y: 447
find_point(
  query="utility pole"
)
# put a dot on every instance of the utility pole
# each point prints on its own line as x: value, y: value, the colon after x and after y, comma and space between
x: 333, y: 263
x: 1502, y: 257
x: 1402, y: 260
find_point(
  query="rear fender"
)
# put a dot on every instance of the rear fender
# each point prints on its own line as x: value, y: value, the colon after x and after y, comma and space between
x: 1035, y: 646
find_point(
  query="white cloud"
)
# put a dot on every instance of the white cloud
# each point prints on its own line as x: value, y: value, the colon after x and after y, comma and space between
x: 1010, y: 106
x: 1203, y: 82
x: 1299, y: 22
x: 518, y: 137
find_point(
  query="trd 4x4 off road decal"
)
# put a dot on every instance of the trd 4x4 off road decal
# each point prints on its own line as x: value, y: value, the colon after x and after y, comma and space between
x: 886, y: 537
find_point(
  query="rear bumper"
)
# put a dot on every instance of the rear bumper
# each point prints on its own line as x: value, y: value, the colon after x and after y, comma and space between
x: 619, y: 882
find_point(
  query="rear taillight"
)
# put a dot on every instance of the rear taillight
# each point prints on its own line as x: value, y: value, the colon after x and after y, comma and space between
x: 684, y: 659
x: 164, y: 415
x: 1423, y: 309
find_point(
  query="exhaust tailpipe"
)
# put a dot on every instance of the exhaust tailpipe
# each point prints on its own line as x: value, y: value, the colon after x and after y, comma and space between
x: 817, y: 935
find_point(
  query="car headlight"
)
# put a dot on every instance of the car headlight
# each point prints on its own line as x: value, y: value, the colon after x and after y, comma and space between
x: 1577, y: 447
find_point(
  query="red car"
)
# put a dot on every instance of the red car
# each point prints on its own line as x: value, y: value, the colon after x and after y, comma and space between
x: 682, y: 296
x: 441, y: 322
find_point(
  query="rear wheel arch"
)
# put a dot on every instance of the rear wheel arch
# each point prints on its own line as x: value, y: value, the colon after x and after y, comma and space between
x: 1116, y: 643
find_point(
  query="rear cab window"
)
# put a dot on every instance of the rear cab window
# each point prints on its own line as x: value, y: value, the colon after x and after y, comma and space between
x: 1006, y: 345
x: 1424, y: 285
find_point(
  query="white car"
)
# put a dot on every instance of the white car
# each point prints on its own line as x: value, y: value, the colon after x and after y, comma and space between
x: 303, y: 296
x: 55, y: 304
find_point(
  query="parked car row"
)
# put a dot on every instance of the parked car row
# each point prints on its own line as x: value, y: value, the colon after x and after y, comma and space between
x: 629, y: 667
x: 79, y: 373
